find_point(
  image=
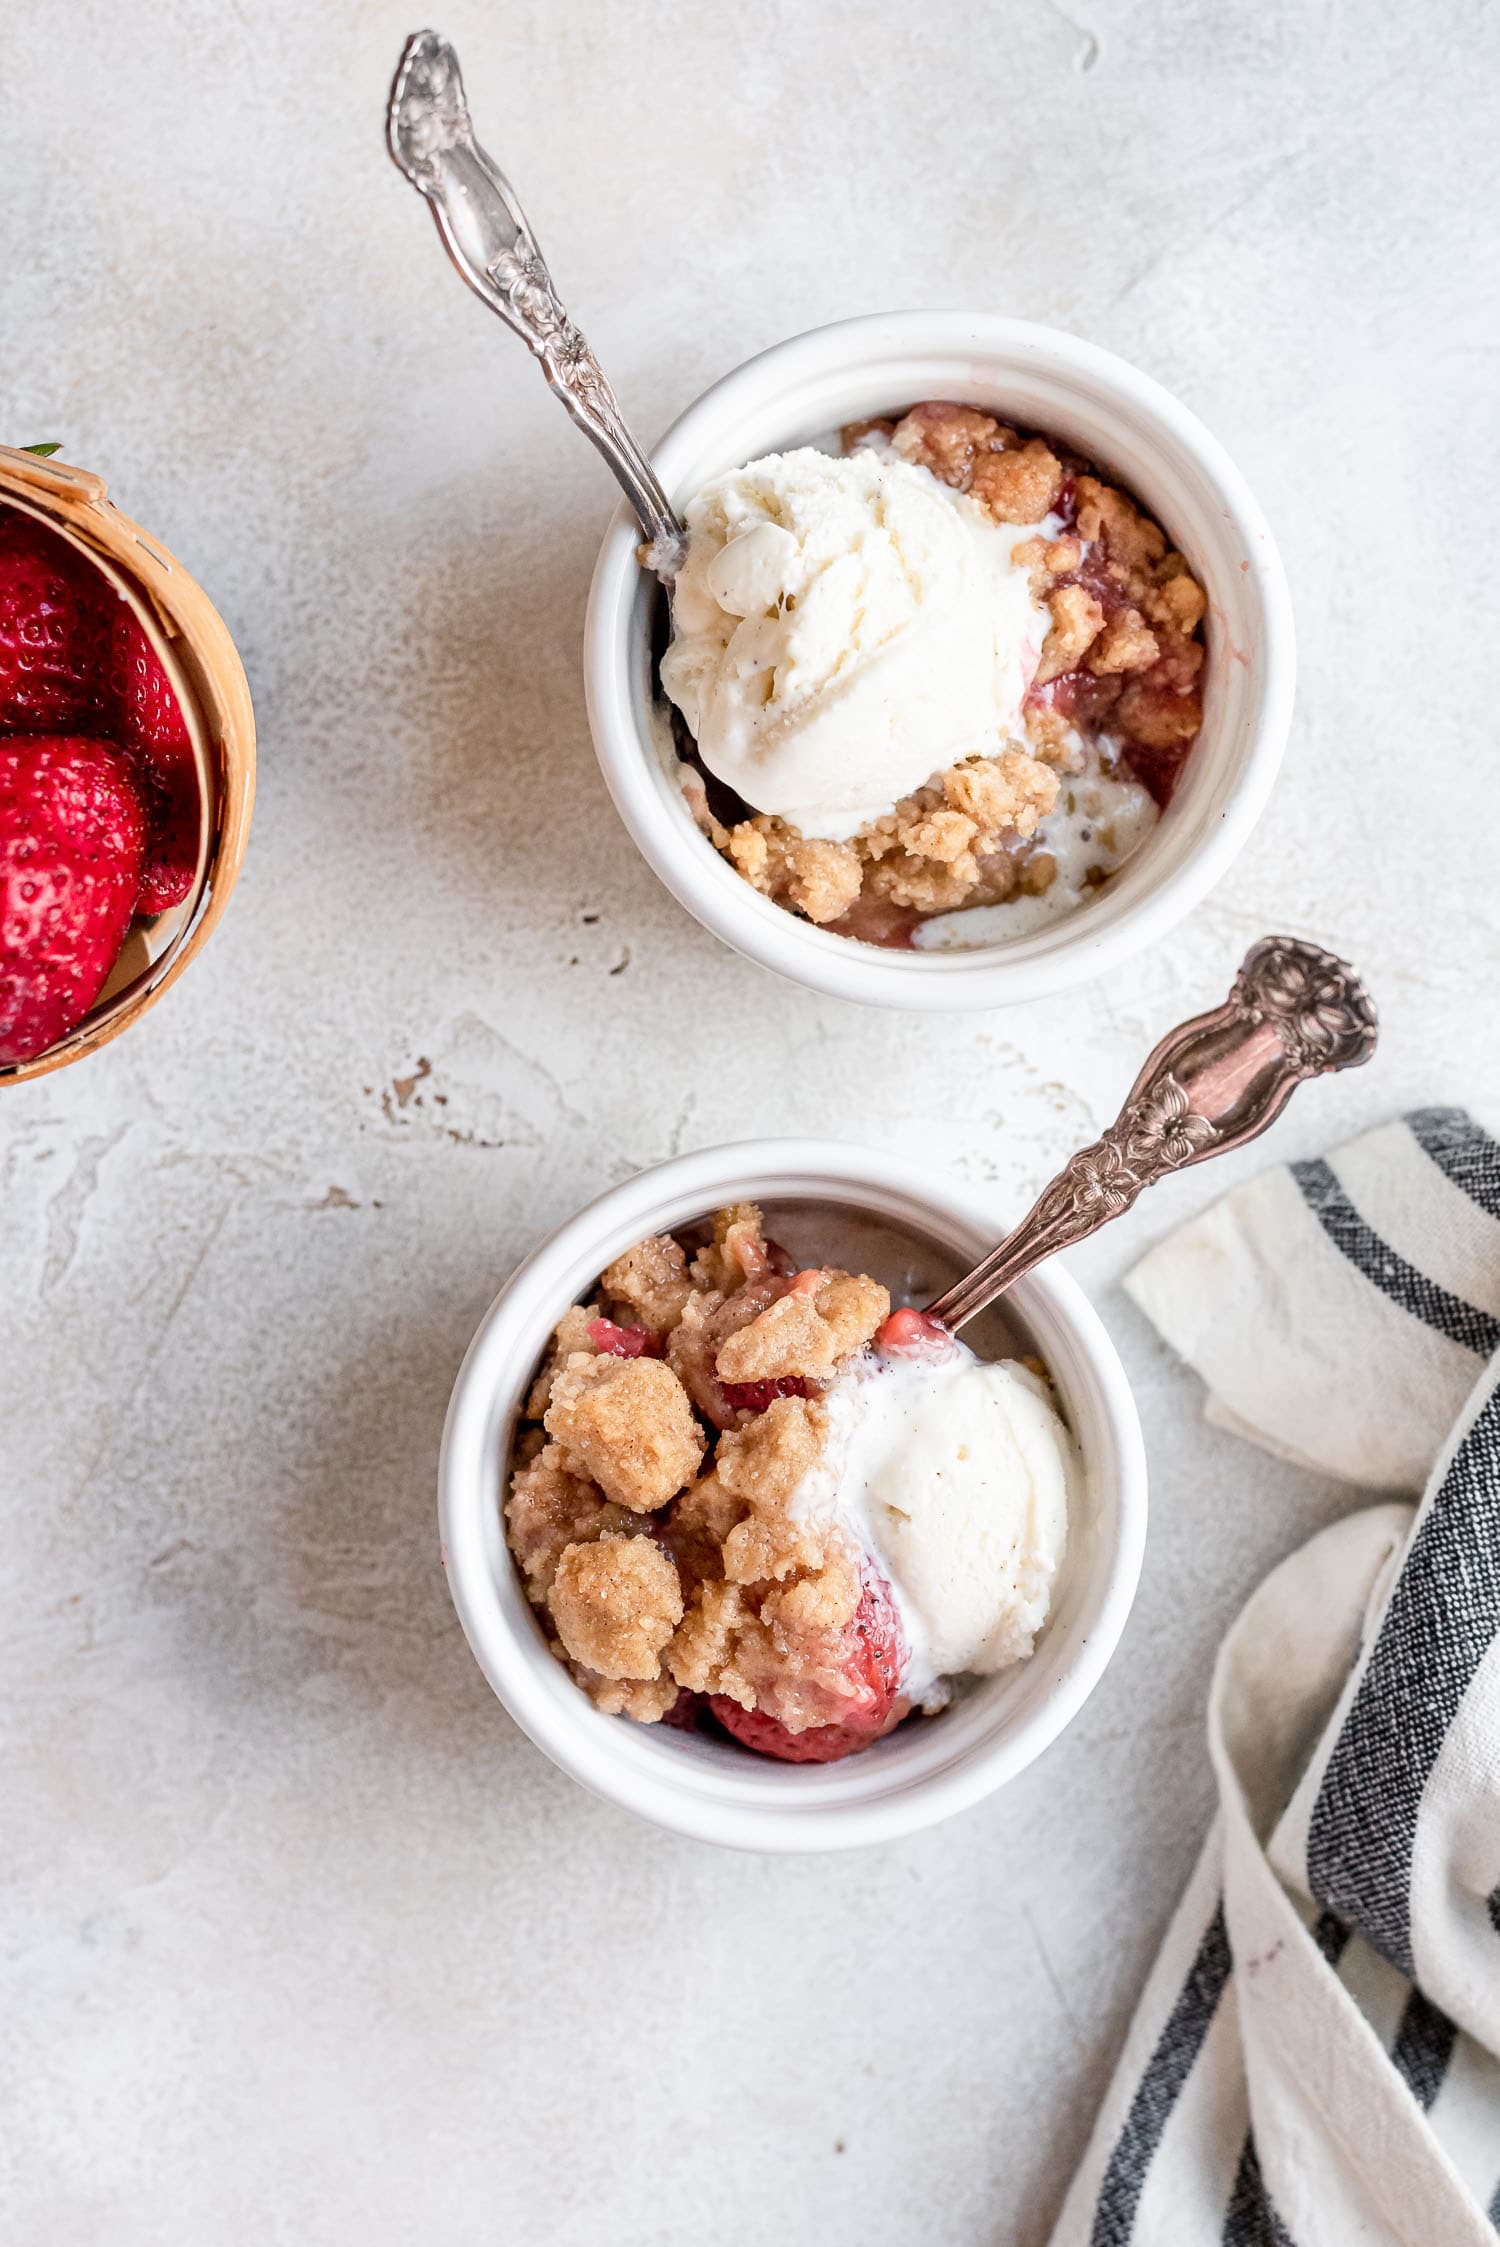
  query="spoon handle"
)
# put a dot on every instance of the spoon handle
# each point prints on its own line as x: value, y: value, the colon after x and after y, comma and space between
x: 1212, y: 1083
x: 485, y: 232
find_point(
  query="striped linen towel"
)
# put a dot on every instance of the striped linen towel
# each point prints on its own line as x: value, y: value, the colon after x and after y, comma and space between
x: 1315, y: 2061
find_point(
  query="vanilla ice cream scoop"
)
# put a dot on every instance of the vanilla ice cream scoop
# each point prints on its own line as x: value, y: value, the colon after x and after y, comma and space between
x: 844, y: 628
x: 954, y: 1473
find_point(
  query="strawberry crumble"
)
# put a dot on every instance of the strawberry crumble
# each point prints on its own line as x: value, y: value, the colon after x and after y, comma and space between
x: 934, y: 692
x: 754, y: 1498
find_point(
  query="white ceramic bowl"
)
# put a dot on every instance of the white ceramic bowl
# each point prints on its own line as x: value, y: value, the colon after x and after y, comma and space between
x: 717, y: 1791
x: 803, y: 390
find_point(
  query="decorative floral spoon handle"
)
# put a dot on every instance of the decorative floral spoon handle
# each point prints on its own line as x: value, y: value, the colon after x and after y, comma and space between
x: 1294, y: 1012
x: 484, y: 231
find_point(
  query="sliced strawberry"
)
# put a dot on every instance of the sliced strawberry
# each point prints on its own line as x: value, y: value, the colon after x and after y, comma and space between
x: 54, y: 632
x: 913, y: 1334
x: 613, y: 1341
x: 874, y: 1662
x: 72, y: 844
x: 149, y: 720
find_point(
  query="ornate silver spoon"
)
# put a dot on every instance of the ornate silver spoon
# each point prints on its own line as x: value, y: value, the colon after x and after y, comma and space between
x: 485, y: 232
x: 1213, y: 1083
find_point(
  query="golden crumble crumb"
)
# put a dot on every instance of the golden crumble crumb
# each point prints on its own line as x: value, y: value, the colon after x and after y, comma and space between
x: 652, y: 1279
x: 737, y: 1254
x: 643, y: 1700
x: 693, y: 1347
x: 628, y: 1424
x: 700, y: 1657
x: 807, y: 1333
x: 765, y: 1547
x: 853, y: 1307
x: 1004, y: 793
x: 1176, y: 600
x: 1054, y: 739
x: 1127, y: 643
x: 615, y: 1602
x: 947, y: 439
x: 764, y: 1461
x: 821, y: 1602
x: 570, y: 1338
x: 1130, y: 538
x: 924, y: 884
x: 943, y: 835
x: 550, y: 1508
x: 699, y: 1525
x: 1077, y: 619
x: 822, y: 879
x: 750, y: 848
x: 763, y: 1465
x: 818, y: 879
x: 787, y: 1340
x: 1019, y: 487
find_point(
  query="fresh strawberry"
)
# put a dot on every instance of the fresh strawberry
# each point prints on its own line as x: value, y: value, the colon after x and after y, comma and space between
x: 73, y: 659
x: 613, y: 1341
x: 874, y: 1661
x: 148, y: 718
x: 72, y: 844
x: 54, y: 632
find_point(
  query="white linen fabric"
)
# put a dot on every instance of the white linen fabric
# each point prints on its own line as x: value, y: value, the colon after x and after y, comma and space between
x: 1315, y: 2061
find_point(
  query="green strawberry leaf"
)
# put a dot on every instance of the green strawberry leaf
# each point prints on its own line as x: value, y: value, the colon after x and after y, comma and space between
x: 43, y: 452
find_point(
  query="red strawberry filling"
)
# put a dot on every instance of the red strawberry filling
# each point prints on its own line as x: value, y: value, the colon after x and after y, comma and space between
x: 613, y: 1341
x: 913, y: 1334
x: 754, y: 1396
x: 875, y: 1658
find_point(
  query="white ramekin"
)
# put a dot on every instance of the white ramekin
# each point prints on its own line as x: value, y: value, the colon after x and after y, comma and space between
x: 1046, y: 380
x: 717, y: 1792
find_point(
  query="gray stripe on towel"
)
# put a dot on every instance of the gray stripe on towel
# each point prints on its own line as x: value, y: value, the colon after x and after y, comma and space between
x: 1423, y: 2048
x: 1443, y: 1616
x: 1158, y: 2091
x: 1447, y: 1314
x: 1251, y: 2220
x: 1467, y: 1157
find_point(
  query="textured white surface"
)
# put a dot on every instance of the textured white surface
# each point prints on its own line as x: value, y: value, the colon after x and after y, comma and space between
x: 302, y: 1942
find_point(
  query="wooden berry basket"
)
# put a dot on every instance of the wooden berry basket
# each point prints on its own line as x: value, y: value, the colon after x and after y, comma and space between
x: 203, y: 668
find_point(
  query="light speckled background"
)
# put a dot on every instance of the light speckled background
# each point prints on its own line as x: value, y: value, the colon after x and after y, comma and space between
x: 302, y: 1940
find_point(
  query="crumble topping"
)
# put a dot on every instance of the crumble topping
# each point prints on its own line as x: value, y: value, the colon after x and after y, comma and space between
x: 626, y: 1423
x: 616, y: 1602
x: 650, y: 1279
x: 665, y: 1514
